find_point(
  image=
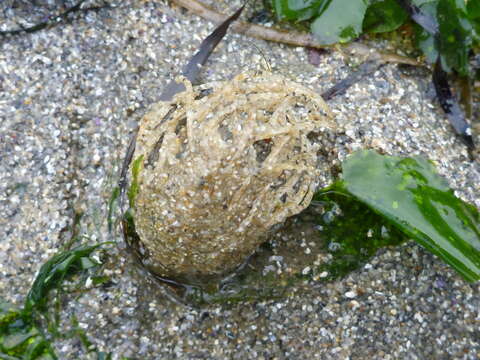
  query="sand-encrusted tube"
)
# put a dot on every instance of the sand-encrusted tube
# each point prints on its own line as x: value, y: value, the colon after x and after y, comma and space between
x: 222, y: 164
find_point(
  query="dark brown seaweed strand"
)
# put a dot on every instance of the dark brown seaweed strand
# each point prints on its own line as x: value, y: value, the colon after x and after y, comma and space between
x: 364, y: 70
x: 122, y: 183
x: 447, y: 100
x: 450, y: 105
x: 192, y: 69
x: 416, y: 14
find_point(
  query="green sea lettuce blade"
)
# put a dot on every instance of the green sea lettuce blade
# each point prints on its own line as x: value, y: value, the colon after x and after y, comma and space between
x: 411, y: 195
x: 340, y: 21
x: 383, y: 16
x: 297, y: 10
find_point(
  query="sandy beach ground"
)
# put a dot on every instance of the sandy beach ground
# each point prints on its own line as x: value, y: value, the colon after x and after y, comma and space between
x: 70, y: 96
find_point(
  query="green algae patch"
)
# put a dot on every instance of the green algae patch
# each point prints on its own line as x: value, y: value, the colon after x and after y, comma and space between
x: 20, y: 336
x: 410, y: 194
x: 55, y: 271
x: 339, y: 21
x: 112, y: 206
x: 345, y: 234
x: 352, y: 233
x: 26, y: 333
x: 133, y: 190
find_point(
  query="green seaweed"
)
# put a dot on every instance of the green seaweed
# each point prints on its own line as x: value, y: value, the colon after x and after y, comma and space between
x: 55, y: 271
x: 337, y: 21
x: 410, y: 194
x: 297, y: 10
x: 457, y: 36
x: 105, y: 356
x: 349, y: 231
x: 384, y: 16
x: 20, y: 337
x: 134, y: 187
x: 22, y: 334
x: 353, y: 233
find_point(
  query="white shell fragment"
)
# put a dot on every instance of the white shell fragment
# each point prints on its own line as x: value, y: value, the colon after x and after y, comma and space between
x: 222, y: 164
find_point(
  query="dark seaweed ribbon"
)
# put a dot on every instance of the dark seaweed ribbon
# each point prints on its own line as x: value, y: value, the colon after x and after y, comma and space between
x: 192, y: 69
x: 365, y: 69
x: 447, y: 100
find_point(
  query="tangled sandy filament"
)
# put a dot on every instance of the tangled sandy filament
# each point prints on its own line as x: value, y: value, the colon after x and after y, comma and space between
x: 222, y: 164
